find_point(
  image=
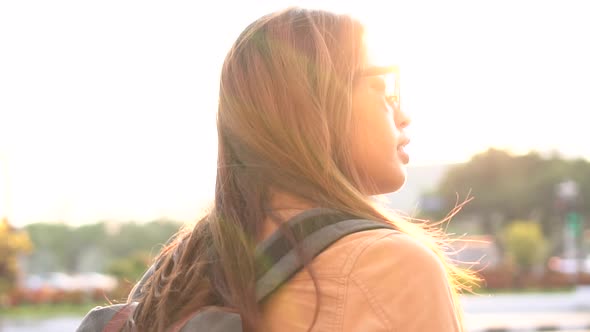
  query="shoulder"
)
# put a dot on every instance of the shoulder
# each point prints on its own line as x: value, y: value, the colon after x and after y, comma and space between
x: 397, y: 253
x: 399, y: 277
x: 339, y: 258
x: 379, y: 250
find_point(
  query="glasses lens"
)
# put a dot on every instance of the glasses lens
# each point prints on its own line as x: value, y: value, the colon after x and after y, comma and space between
x: 392, y: 86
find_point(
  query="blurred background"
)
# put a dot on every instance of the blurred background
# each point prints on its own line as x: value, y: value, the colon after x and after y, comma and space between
x: 108, y: 145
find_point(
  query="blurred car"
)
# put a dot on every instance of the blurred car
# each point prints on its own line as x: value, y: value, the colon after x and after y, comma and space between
x: 569, y: 265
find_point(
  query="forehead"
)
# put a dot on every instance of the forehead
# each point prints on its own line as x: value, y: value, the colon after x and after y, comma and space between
x: 378, y: 55
x: 374, y: 61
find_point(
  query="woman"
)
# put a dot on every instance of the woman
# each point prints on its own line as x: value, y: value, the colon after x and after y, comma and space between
x: 306, y: 121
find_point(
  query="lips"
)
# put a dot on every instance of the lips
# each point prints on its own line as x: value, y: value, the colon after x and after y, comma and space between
x: 403, y: 156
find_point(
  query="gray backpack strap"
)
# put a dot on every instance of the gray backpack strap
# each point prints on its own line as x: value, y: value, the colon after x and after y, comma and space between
x: 315, y: 230
x: 108, y: 319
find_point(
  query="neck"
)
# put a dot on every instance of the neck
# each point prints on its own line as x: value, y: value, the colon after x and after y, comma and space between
x: 283, y: 206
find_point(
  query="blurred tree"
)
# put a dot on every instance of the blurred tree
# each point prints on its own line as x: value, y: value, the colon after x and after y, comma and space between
x: 525, y: 245
x: 130, y: 268
x: 131, y: 237
x: 64, y: 248
x: 13, y: 243
x: 53, y: 247
x: 508, y: 187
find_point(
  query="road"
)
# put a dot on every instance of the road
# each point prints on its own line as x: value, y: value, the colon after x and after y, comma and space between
x: 528, y: 312
x: 509, y: 312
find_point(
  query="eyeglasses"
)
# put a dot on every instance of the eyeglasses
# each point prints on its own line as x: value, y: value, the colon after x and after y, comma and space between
x: 391, y: 79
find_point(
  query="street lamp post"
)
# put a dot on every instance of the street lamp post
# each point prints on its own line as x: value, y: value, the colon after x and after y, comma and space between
x: 567, y: 192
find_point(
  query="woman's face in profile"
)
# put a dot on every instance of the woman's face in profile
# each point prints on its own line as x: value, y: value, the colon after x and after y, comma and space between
x: 378, y: 139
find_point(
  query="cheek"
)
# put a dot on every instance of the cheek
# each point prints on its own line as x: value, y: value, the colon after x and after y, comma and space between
x: 376, y: 130
x: 375, y: 147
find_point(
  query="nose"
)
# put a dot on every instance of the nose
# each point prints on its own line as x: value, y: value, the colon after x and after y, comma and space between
x: 402, y: 120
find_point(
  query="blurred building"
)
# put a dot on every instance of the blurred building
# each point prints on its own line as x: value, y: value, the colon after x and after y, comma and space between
x: 86, y: 282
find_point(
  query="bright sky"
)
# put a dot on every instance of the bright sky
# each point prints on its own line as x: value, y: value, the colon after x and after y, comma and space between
x: 107, y: 108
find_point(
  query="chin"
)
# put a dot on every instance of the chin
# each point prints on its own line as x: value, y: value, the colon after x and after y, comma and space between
x: 398, y: 178
x: 390, y: 184
x: 397, y: 184
x: 384, y: 180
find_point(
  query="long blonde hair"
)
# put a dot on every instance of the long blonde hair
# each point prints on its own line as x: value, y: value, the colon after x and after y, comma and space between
x: 284, y: 122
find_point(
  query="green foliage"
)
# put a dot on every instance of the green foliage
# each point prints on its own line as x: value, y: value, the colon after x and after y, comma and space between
x: 524, y: 243
x: 131, y: 267
x: 95, y: 247
x: 48, y: 310
x: 513, y: 187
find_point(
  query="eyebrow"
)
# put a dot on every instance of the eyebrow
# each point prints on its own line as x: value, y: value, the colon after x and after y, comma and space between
x: 378, y: 70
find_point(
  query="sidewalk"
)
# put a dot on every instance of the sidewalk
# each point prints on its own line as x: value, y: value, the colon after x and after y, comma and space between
x: 578, y: 300
x: 541, y: 321
x: 528, y: 312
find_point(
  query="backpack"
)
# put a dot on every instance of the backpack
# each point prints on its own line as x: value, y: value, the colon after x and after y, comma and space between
x: 276, y: 262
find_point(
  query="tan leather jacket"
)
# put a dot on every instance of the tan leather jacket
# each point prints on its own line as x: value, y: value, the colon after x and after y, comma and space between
x: 377, y: 280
